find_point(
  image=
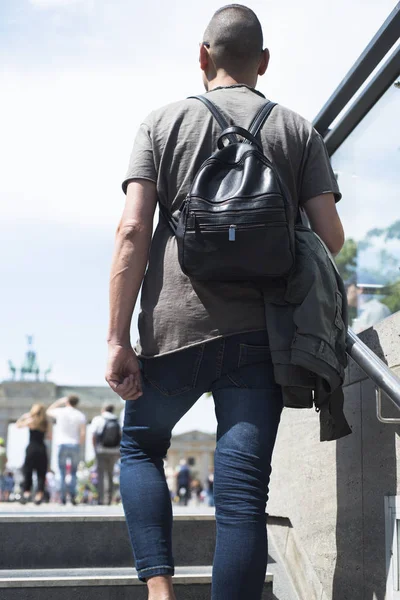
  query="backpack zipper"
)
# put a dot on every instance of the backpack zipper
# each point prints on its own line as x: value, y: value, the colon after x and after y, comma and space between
x: 211, y: 227
x: 231, y: 229
x: 236, y: 210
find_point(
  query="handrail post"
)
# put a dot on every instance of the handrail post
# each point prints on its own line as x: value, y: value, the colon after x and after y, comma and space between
x: 373, y: 367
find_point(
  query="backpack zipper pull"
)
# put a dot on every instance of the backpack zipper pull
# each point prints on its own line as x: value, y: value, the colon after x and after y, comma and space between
x: 232, y: 233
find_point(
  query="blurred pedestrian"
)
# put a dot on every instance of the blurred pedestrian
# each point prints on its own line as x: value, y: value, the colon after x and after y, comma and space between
x: 106, y: 439
x: 51, y: 486
x: 183, y: 480
x: 196, y: 490
x: 71, y: 435
x: 8, y: 486
x: 36, y: 452
x: 3, y: 462
x: 210, y: 489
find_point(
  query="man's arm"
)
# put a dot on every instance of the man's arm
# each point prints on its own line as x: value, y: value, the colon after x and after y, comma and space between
x: 57, y: 404
x: 82, y: 435
x: 129, y: 263
x: 325, y: 221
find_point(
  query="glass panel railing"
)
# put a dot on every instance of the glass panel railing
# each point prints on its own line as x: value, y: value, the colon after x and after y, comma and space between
x: 367, y: 165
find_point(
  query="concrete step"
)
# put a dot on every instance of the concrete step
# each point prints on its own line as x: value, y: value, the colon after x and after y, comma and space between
x: 191, y: 583
x: 51, y: 541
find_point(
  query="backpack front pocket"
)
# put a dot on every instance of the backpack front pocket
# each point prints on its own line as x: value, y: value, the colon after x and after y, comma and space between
x: 236, y: 251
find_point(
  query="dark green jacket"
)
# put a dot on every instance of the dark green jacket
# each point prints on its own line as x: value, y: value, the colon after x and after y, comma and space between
x: 307, y: 322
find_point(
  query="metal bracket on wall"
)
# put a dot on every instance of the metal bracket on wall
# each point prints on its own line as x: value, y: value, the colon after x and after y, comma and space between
x: 378, y: 393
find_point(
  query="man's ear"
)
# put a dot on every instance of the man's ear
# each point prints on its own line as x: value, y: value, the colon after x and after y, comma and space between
x: 263, y: 66
x: 203, y: 57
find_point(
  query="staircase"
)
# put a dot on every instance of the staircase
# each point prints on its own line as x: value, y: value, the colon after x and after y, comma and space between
x: 60, y: 556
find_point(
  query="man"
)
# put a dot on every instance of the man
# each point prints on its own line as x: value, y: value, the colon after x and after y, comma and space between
x: 210, y: 488
x: 365, y: 312
x: 183, y: 481
x: 71, y: 436
x: 106, y: 439
x: 204, y: 336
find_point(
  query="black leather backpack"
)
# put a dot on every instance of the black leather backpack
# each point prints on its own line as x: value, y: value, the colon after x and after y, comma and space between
x: 236, y: 222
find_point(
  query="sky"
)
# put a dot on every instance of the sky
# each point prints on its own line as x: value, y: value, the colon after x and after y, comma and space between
x: 77, y: 77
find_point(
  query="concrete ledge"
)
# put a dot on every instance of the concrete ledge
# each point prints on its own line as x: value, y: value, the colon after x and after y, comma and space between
x: 98, y: 577
x: 92, y: 577
x: 94, y: 518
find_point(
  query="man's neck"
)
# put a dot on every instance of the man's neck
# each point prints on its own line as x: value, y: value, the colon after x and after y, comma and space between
x: 223, y: 79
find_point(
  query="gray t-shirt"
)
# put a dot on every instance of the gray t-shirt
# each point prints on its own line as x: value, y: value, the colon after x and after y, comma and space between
x: 169, y: 149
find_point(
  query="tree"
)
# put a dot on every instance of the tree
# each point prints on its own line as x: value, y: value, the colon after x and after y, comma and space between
x: 388, y: 269
x: 346, y: 261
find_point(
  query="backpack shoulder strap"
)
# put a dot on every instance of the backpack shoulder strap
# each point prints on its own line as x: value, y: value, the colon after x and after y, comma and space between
x: 168, y: 217
x: 216, y: 113
x: 214, y: 110
x: 260, y: 118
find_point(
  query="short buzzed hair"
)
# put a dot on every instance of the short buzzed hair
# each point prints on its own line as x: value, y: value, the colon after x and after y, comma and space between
x: 234, y: 37
x: 107, y: 407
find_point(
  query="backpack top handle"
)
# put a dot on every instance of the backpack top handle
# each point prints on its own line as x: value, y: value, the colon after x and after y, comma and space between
x: 255, y: 126
x: 244, y: 133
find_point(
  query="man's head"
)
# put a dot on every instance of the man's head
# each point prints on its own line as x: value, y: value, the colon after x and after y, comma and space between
x: 107, y: 407
x: 73, y: 400
x: 233, y: 45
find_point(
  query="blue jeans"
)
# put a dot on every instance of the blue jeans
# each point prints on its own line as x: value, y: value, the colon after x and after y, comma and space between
x: 248, y: 404
x: 71, y: 452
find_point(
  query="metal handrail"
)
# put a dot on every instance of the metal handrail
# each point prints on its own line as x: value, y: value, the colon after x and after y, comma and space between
x: 380, y: 44
x: 374, y: 367
x: 383, y: 79
x: 379, y: 416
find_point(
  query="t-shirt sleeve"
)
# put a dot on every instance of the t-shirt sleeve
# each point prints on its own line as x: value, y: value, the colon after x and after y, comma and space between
x: 318, y: 176
x: 141, y: 164
x: 95, y: 424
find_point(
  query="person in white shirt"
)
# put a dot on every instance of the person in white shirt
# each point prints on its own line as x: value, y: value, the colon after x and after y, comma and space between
x: 106, y: 437
x: 71, y: 430
x: 369, y: 310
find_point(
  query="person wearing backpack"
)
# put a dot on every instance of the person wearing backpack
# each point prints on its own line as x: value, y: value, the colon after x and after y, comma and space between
x: 106, y: 442
x: 229, y: 171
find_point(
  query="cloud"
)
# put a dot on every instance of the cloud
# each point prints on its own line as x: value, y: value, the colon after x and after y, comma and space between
x: 69, y: 138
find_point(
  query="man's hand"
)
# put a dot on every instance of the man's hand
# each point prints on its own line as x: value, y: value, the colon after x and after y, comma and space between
x: 123, y: 372
x: 61, y: 402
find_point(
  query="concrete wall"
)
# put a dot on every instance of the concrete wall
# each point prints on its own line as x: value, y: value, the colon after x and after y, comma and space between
x: 333, y: 492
